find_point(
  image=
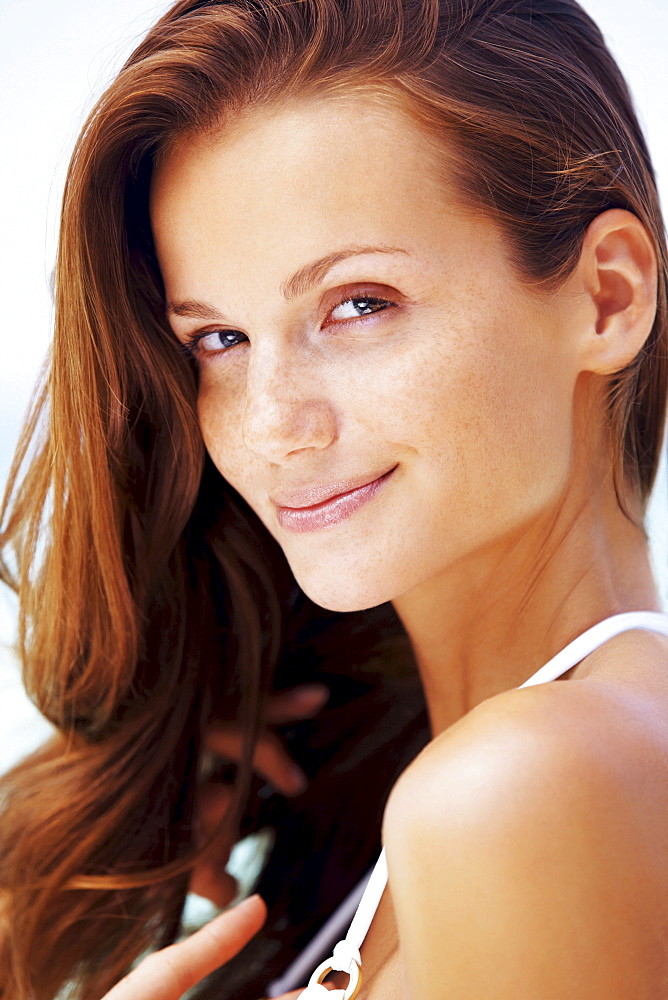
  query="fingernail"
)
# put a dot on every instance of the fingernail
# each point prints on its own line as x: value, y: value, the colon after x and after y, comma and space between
x: 298, y: 781
x: 311, y: 694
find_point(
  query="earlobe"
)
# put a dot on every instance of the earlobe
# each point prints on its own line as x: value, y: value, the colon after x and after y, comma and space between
x: 620, y: 273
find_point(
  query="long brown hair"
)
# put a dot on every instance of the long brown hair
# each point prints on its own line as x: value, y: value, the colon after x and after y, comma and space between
x: 149, y: 592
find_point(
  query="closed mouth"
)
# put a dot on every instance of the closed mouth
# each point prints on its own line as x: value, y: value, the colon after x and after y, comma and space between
x: 316, y: 496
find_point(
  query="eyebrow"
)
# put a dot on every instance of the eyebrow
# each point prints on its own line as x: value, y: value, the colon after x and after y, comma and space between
x: 302, y: 281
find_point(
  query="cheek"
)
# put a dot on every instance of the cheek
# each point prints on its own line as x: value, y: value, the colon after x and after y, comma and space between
x: 489, y: 408
x: 512, y: 433
x: 220, y: 413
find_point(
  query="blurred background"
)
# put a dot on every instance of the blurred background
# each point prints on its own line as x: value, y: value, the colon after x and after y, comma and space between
x: 55, y: 59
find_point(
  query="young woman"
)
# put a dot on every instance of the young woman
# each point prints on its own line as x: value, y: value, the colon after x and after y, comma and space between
x: 400, y: 268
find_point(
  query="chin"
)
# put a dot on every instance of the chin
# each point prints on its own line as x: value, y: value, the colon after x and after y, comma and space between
x: 342, y: 602
x: 344, y: 591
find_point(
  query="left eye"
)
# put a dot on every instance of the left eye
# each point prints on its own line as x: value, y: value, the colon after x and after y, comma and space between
x: 359, y: 305
x: 213, y: 342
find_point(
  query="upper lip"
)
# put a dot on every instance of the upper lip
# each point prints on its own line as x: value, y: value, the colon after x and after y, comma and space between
x: 309, y: 496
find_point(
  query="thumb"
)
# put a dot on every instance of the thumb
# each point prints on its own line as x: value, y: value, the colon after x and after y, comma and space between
x: 168, y: 973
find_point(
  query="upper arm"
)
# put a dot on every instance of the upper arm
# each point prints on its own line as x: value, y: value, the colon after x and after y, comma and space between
x: 520, y: 866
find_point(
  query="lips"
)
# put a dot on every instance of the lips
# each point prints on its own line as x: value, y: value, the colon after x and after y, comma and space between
x: 310, y: 496
x: 334, y: 504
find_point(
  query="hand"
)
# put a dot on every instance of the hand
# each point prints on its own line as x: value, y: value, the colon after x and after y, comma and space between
x: 209, y: 878
x: 167, y: 974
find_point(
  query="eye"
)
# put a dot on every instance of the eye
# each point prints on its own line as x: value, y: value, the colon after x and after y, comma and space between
x: 213, y: 341
x: 357, y: 306
x: 347, y: 310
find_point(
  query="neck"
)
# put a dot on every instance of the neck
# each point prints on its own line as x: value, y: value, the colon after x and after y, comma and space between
x: 487, y: 623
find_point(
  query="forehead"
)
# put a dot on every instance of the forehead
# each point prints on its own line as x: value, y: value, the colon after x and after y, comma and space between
x: 310, y: 166
x: 349, y: 134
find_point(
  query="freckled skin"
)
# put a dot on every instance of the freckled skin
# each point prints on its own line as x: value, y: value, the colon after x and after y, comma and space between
x: 466, y: 385
x: 498, y: 537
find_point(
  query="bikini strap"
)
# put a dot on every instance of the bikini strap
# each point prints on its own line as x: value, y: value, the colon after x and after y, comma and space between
x: 587, y: 642
x: 346, y: 955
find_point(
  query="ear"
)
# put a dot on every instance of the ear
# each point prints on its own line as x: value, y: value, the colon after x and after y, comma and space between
x: 619, y: 274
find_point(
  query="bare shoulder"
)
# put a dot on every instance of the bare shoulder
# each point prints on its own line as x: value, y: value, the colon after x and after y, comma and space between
x: 607, y: 731
x: 530, y: 841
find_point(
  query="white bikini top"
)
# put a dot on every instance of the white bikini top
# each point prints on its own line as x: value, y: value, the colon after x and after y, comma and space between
x: 346, y: 955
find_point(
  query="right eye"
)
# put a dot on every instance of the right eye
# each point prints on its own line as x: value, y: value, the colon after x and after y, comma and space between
x: 213, y: 341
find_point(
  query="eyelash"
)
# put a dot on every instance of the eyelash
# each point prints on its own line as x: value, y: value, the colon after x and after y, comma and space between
x: 191, y: 345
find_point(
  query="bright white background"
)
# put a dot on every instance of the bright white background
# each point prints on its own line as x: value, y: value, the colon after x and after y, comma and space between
x: 55, y: 57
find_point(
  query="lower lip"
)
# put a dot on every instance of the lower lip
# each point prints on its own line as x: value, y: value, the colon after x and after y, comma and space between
x: 329, y: 512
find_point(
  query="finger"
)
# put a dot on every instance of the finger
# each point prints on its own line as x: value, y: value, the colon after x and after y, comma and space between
x: 270, y: 759
x: 212, y: 802
x: 167, y: 974
x: 214, y: 882
x: 209, y: 877
x: 300, y: 703
x: 273, y: 763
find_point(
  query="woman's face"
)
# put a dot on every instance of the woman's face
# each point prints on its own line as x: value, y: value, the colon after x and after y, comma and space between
x: 361, y: 336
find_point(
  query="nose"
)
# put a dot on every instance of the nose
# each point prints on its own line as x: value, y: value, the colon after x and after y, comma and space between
x: 287, y: 408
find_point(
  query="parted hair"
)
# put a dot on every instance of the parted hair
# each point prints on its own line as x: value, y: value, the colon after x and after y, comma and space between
x: 151, y: 597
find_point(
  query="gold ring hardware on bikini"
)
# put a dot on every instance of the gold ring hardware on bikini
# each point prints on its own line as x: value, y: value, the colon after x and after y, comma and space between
x: 316, y: 991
